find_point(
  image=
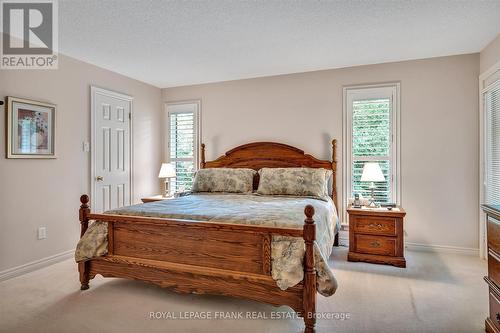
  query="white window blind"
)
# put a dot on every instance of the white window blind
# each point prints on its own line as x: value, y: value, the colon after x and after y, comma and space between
x: 492, y: 144
x: 183, y: 144
x: 371, y: 142
x: 371, y: 134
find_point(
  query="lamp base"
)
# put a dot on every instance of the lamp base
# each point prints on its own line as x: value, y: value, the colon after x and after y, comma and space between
x: 166, y: 191
x: 372, y: 198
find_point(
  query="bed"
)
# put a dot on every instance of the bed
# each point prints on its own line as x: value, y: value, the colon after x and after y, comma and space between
x: 210, y: 253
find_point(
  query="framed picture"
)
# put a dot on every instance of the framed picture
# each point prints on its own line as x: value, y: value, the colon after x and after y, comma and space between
x: 31, y: 129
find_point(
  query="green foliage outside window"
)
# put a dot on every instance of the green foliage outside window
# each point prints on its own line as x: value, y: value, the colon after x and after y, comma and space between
x: 371, y: 141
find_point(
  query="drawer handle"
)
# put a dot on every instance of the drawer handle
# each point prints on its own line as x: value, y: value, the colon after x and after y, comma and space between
x: 498, y: 318
x: 375, y: 244
x: 375, y: 226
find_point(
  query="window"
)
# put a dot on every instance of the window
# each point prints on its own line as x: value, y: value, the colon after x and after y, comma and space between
x: 183, y: 143
x: 489, y: 153
x: 492, y: 143
x: 371, y: 134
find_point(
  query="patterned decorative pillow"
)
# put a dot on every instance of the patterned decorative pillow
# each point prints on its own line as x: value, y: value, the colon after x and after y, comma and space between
x: 328, y: 176
x: 294, y: 181
x: 224, y: 180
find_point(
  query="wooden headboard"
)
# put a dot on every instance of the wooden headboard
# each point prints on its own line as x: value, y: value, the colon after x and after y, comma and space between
x: 259, y: 155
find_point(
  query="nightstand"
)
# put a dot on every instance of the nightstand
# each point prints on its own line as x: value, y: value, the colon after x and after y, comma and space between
x: 156, y: 198
x: 376, y: 236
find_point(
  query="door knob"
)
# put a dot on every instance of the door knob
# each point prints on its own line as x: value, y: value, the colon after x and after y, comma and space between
x: 99, y: 178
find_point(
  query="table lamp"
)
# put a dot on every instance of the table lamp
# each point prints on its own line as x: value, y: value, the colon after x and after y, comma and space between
x: 167, y: 171
x: 372, y: 173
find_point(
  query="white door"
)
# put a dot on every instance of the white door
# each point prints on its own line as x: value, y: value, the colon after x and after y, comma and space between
x: 111, y: 174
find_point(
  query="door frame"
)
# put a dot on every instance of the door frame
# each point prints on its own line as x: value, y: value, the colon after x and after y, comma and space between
x: 94, y: 90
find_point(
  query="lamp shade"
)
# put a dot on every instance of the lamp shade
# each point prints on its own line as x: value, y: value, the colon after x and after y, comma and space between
x: 167, y: 170
x: 372, y: 173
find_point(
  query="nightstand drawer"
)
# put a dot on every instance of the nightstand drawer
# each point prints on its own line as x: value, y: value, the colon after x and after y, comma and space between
x: 494, y: 267
x: 493, y: 233
x: 381, y: 245
x: 495, y: 309
x: 374, y: 225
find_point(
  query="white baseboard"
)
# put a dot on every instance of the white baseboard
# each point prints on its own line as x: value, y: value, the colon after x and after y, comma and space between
x: 442, y: 249
x: 343, y: 238
x: 34, y: 265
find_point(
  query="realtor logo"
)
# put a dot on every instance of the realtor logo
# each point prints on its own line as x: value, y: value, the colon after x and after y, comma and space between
x: 29, y: 34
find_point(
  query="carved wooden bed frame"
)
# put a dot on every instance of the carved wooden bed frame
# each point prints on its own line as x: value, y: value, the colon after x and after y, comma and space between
x: 235, y: 259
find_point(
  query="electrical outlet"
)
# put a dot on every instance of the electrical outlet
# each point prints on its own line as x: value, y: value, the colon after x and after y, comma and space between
x: 42, y: 232
x: 86, y: 146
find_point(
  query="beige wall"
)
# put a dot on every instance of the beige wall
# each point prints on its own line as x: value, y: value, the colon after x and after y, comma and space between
x: 439, y: 141
x: 490, y: 55
x: 37, y: 193
x: 439, y: 131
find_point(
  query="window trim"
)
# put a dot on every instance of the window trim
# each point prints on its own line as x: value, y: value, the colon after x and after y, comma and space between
x: 487, y: 153
x: 197, y: 127
x: 487, y: 80
x: 395, y: 156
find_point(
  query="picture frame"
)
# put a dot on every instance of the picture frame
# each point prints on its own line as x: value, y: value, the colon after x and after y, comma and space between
x: 31, y: 128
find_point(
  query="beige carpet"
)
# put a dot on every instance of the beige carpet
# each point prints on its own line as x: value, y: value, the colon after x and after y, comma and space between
x: 436, y: 293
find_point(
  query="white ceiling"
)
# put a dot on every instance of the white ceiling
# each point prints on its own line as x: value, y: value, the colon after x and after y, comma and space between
x: 173, y: 43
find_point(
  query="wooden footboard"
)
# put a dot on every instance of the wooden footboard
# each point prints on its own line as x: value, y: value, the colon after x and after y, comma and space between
x: 202, y: 257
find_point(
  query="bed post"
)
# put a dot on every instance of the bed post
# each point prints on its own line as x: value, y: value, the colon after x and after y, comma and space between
x: 84, y: 212
x: 334, y: 184
x: 309, y: 295
x: 334, y: 169
x: 83, y: 267
x: 202, y: 163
